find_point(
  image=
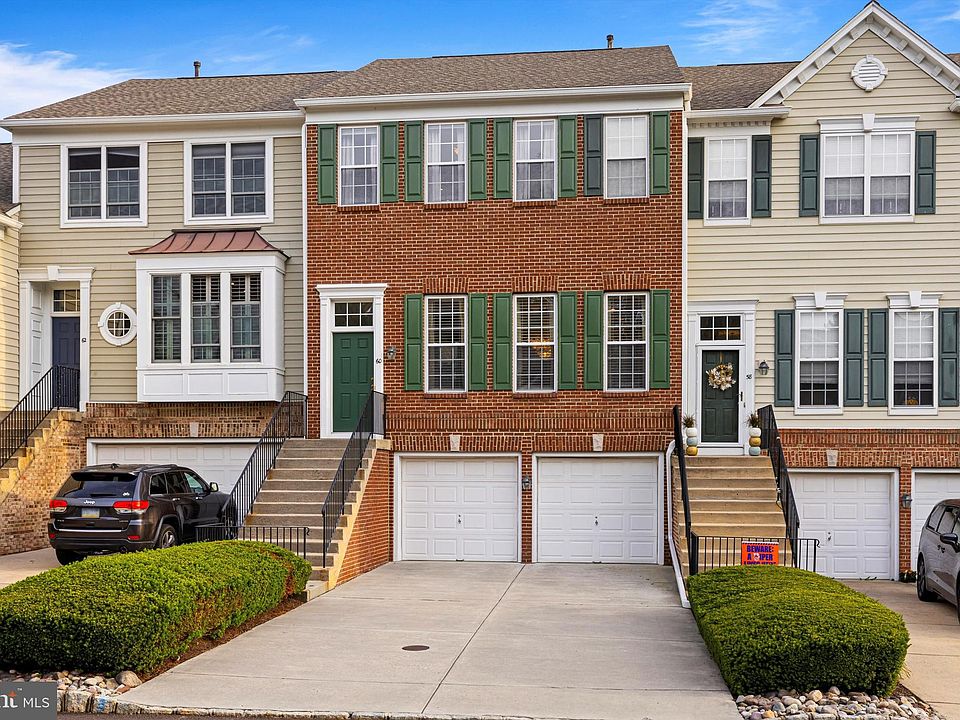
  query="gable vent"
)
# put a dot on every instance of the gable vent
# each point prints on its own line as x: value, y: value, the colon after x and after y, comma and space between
x: 868, y: 73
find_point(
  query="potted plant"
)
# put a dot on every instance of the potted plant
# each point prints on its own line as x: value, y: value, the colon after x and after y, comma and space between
x: 753, y: 422
x: 692, y: 435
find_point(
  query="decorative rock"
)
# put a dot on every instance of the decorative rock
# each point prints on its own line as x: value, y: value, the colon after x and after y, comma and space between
x: 129, y: 678
x: 788, y: 701
x: 76, y: 701
x: 815, y: 695
x: 815, y: 705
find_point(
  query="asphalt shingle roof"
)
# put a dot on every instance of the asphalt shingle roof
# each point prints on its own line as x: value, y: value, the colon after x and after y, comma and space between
x: 6, y: 177
x: 733, y: 86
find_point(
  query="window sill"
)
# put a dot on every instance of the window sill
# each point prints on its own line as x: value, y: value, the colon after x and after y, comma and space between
x: 444, y: 394
x: 240, y: 221
x: 534, y: 394
x: 817, y: 411
x: 445, y: 206
x: 358, y: 208
x: 915, y: 411
x: 622, y: 393
x: 534, y: 203
x: 645, y: 200
x: 867, y: 220
x: 726, y: 222
x: 121, y: 223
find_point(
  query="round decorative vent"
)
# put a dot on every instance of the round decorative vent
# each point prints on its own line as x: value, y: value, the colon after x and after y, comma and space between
x: 868, y: 73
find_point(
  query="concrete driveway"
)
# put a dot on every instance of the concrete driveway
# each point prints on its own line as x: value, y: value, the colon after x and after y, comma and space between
x: 21, y: 565
x: 933, y: 658
x: 543, y: 641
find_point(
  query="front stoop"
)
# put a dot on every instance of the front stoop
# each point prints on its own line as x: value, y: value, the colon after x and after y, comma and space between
x: 17, y: 465
x: 293, y: 495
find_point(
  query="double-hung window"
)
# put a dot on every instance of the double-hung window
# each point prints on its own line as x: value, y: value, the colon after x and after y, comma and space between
x: 229, y: 180
x: 535, y: 159
x: 446, y: 162
x: 165, y: 301
x: 245, y: 317
x: 205, y: 318
x: 818, y: 354
x: 535, y: 343
x: 914, y: 351
x: 626, y: 341
x: 359, y: 165
x: 867, y: 174
x: 626, y: 146
x: 103, y: 183
x: 446, y: 346
x: 727, y: 173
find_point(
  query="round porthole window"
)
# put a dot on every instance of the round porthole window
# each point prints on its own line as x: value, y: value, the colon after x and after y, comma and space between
x: 118, y: 324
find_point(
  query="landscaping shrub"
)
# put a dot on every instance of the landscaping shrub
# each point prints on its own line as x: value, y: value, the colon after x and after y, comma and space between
x: 772, y: 627
x: 134, y: 611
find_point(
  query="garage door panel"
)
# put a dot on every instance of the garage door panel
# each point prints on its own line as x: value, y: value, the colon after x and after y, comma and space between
x: 929, y: 488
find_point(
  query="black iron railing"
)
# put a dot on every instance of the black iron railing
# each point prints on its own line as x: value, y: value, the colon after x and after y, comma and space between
x: 58, y: 388
x: 678, y: 449
x: 770, y: 441
x: 714, y: 551
x: 289, y: 420
x: 292, y: 538
x: 372, y: 422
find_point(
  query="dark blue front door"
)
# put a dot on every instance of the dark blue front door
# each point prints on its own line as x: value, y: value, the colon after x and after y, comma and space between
x: 66, y: 341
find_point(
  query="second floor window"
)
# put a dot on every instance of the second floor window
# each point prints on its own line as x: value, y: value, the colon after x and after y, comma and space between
x: 626, y: 341
x: 914, y: 352
x: 625, y: 152
x: 359, y: 165
x: 103, y: 183
x: 536, y: 159
x: 245, y: 317
x: 446, y: 162
x: 867, y: 174
x: 727, y: 174
x: 229, y: 179
x: 819, y: 358
x: 446, y: 344
x: 205, y: 317
x: 535, y: 343
x: 165, y: 299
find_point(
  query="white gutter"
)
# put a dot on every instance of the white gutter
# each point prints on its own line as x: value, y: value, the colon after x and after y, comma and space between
x: 677, y: 569
x: 7, y: 221
x: 764, y: 113
x: 9, y: 123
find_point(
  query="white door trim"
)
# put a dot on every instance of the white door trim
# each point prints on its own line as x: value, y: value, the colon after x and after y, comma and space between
x: 598, y: 455
x: 372, y: 292
x: 747, y: 309
x: 398, y: 496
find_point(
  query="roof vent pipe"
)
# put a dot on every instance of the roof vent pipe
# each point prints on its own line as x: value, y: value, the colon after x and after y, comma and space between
x: 609, y: 42
x: 196, y: 68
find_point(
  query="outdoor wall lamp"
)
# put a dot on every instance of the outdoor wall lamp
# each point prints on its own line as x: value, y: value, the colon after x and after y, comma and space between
x: 392, y: 352
x: 763, y: 368
x: 906, y: 500
x: 526, y: 482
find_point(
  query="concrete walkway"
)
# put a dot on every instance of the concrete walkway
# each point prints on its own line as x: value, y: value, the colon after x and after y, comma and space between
x: 597, y: 642
x: 933, y: 658
x: 21, y: 565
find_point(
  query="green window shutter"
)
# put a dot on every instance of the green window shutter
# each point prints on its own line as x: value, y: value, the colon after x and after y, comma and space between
x: 660, y: 339
x: 413, y: 162
x: 502, y: 341
x: 326, y: 164
x: 783, y: 358
x: 413, y: 342
x: 853, y: 358
x: 809, y: 175
x: 567, y: 151
x: 877, y: 358
x: 762, y: 158
x: 659, y: 153
x: 478, y: 342
x: 926, y: 180
x: 593, y: 155
x: 388, y: 162
x: 593, y: 340
x: 567, y: 376
x: 502, y: 157
x: 477, y: 153
x: 695, y: 178
x: 949, y: 389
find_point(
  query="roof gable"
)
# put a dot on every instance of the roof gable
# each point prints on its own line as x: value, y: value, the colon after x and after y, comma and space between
x: 886, y: 26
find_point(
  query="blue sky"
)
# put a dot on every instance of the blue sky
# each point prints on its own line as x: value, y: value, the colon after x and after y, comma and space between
x: 54, y: 49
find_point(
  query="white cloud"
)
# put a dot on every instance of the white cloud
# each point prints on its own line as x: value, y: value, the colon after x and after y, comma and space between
x: 739, y: 27
x: 955, y: 15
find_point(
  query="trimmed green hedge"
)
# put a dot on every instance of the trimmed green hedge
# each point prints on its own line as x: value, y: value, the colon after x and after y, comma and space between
x: 134, y: 611
x: 773, y: 627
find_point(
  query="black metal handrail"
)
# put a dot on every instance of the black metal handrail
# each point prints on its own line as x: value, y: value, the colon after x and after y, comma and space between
x: 58, y: 388
x: 372, y: 422
x: 678, y: 449
x: 290, y: 537
x: 770, y: 441
x: 289, y: 420
x: 713, y: 551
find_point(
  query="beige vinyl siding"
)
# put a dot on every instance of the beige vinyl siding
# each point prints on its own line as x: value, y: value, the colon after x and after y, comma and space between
x: 113, y: 370
x: 776, y: 258
x: 9, y: 318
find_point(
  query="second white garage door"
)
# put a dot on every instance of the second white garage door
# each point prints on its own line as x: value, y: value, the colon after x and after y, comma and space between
x: 598, y: 510
x: 459, y: 508
x: 929, y: 488
x: 850, y: 514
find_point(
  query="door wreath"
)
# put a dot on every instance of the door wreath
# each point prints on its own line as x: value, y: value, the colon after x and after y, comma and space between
x: 721, y: 377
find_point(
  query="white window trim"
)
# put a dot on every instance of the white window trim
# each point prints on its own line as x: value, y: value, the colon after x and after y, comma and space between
x: 556, y: 359
x: 105, y: 332
x: 66, y: 221
x: 606, y: 315
x: 427, y: 345
x: 914, y: 300
x: 556, y: 159
x: 604, y: 156
x: 740, y: 221
x: 867, y: 125
x: 812, y: 302
x: 464, y: 162
x: 229, y: 218
x: 340, y: 166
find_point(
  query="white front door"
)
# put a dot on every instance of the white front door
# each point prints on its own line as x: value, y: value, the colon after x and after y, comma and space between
x: 598, y: 509
x: 929, y: 488
x: 850, y: 514
x: 459, y: 508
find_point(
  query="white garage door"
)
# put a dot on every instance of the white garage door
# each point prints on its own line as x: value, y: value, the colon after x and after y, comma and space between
x: 217, y: 462
x: 929, y: 488
x: 598, y: 510
x: 459, y: 508
x: 850, y: 514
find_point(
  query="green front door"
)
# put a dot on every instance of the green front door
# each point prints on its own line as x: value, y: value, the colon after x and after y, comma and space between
x: 352, y: 377
x: 719, y: 411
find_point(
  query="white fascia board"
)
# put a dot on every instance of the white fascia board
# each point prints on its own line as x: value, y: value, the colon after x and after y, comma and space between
x: 219, y: 261
x: 12, y: 123
x: 7, y: 221
x: 739, y: 114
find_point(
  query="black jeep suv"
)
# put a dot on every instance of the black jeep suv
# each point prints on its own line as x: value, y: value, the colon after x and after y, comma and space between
x: 111, y: 508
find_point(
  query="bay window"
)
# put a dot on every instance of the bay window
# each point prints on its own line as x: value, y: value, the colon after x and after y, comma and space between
x: 165, y: 304
x: 535, y: 343
x: 535, y: 160
x: 446, y: 344
x: 205, y: 317
x: 245, y: 317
